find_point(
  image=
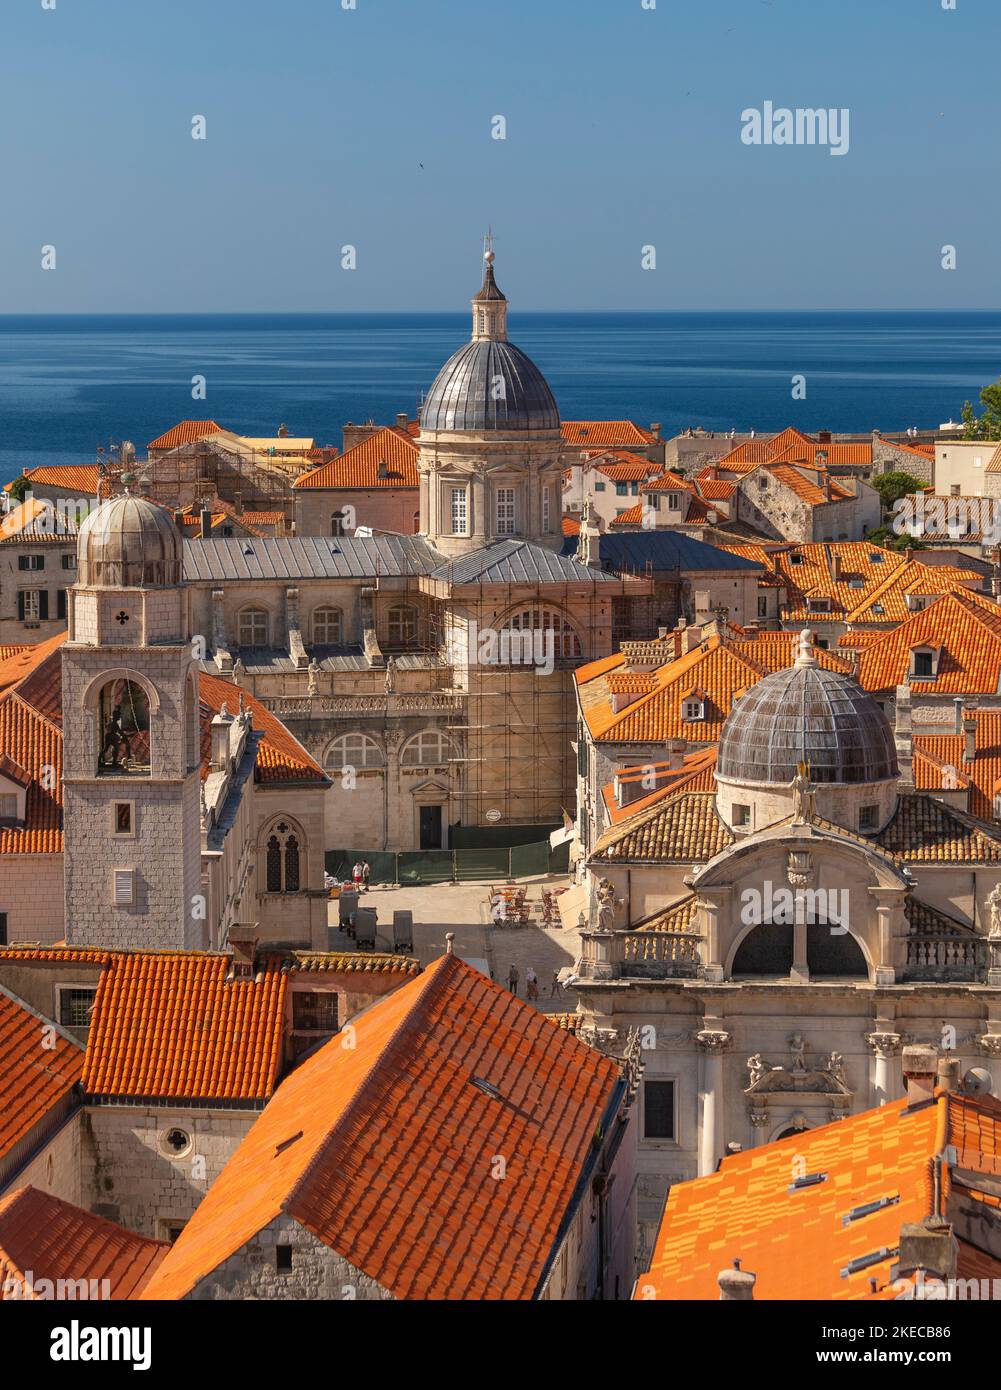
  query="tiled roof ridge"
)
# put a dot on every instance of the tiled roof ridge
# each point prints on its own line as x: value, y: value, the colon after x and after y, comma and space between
x: 642, y: 818
x: 14, y: 696
x: 947, y: 811
x: 431, y: 981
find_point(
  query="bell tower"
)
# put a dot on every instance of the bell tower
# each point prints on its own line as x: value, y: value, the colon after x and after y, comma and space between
x: 131, y: 737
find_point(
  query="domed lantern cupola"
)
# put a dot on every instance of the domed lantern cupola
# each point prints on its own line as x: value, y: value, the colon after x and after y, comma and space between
x: 129, y: 589
x: 806, y: 721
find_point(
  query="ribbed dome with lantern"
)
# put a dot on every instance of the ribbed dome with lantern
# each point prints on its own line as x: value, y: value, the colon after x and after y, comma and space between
x: 815, y: 720
x: 129, y: 542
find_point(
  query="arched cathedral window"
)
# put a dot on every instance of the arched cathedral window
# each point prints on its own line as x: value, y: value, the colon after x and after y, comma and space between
x: 282, y: 860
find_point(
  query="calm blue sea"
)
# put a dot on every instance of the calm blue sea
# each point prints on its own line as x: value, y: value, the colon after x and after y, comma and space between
x: 67, y: 384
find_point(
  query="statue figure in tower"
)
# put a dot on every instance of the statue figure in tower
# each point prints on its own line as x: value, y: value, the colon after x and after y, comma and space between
x: 313, y: 679
x: 114, y: 739
x: 390, y: 675
x: 757, y: 1068
x: 607, y: 903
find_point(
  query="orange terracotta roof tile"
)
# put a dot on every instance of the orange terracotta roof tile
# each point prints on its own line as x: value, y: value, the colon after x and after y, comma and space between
x: 632, y: 516
x: 940, y: 763
x: 715, y: 489
x: 44, y: 1238
x: 749, y: 1211
x: 171, y: 1026
x: 379, y: 1150
x: 681, y: 829
x: 80, y: 478
x: 697, y: 773
x: 360, y: 467
x: 186, y: 432
x: 39, y: 1067
x: 604, y: 433
x: 570, y: 526
x: 353, y: 962
x: 967, y: 629
x: 280, y: 755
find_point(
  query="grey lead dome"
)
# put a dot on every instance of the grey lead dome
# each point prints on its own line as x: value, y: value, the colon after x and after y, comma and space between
x: 806, y: 714
x: 463, y: 396
x: 129, y: 542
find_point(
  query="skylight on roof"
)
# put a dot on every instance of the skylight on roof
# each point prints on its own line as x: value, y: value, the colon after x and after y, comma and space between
x: 807, y: 1180
x: 487, y: 1087
x: 876, y: 1257
x: 867, y: 1208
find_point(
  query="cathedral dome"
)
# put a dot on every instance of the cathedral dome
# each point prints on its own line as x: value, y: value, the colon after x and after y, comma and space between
x: 805, y: 714
x: 465, y: 392
x: 129, y: 543
x: 489, y: 384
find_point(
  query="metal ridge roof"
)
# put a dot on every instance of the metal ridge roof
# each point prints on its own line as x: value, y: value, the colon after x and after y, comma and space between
x: 306, y: 557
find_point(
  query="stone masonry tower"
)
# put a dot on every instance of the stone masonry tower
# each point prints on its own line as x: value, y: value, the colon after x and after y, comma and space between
x: 131, y: 745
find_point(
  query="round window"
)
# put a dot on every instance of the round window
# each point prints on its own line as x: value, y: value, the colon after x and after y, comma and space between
x: 175, y: 1142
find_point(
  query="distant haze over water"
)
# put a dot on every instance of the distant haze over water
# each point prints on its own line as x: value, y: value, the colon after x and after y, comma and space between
x: 68, y: 383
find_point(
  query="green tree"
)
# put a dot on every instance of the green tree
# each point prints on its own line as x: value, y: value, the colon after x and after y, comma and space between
x: 892, y: 486
x: 18, y: 488
x: 887, y: 539
x: 988, y: 425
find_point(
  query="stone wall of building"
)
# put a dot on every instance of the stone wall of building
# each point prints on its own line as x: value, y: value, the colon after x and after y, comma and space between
x: 58, y: 1168
x: 137, y: 1179
x: 383, y: 509
x: 317, y: 1272
x: 31, y: 894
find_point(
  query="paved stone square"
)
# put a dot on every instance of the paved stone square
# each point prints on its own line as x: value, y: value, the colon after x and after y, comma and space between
x: 462, y: 908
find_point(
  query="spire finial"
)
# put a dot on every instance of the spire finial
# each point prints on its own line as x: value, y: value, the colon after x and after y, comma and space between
x: 804, y: 651
x: 488, y: 247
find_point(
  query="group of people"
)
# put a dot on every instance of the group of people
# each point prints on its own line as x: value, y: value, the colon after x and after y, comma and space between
x: 532, y: 983
x: 360, y: 875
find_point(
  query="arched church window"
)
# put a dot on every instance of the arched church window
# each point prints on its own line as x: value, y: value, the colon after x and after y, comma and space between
x: 252, y: 628
x: 564, y: 641
x: 274, y: 874
x: 327, y: 627
x: 282, y: 860
x: 123, y: 715
x: 429, y: 748
x: 401, y: 625
x: 353, y: 750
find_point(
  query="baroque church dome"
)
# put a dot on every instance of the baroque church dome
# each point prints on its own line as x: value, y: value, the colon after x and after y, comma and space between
x: 805, y: 714
x: 489, y: 384
x: 129, y: 542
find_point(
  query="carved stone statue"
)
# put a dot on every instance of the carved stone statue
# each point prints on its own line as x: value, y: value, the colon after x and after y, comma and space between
x: 313, y: 678
x: 994, y: 909
x: 803, y: 796
x: 797, y: 1045
x: 607, y: 903
x: 836, y: 1067
x: 391, y: 675
x: 239, y: 671
x: 756, y: 1067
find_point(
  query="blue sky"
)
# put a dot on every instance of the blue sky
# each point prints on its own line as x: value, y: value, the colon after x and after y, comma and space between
x: 623, y: 130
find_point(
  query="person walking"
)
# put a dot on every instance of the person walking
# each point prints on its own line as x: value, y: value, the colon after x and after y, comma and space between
x: 554, y: 988
x: 531, y: 984
x: 356, y: 876
x: 512, y: 978
x: 366, y: 874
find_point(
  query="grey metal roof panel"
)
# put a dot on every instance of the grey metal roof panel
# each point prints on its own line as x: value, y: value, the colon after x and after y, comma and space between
x: 306, y: 557
x: 518, y: 562
x: 659, y: 550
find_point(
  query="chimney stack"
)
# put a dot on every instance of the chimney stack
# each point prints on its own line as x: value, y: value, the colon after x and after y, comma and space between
x: 243, y: 944
x: 970, y: 740
x: 948, y: 1073
x: 957, y: 705
x: 220, y: 740
x: 903, y: 736
x: 920, y: 1066
x: 836, y: 567
x: 735, y: 1285
x: 402, y: 420
x: 928, y: 1246
x: 205, y: 523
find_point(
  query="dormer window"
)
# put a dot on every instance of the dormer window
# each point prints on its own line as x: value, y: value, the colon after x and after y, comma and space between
x: 795, y: 559
x: 8, y: 806
x: 693, y: 710
x: 923, y: 663
x: 819, y: 605
x: 674, y: 502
